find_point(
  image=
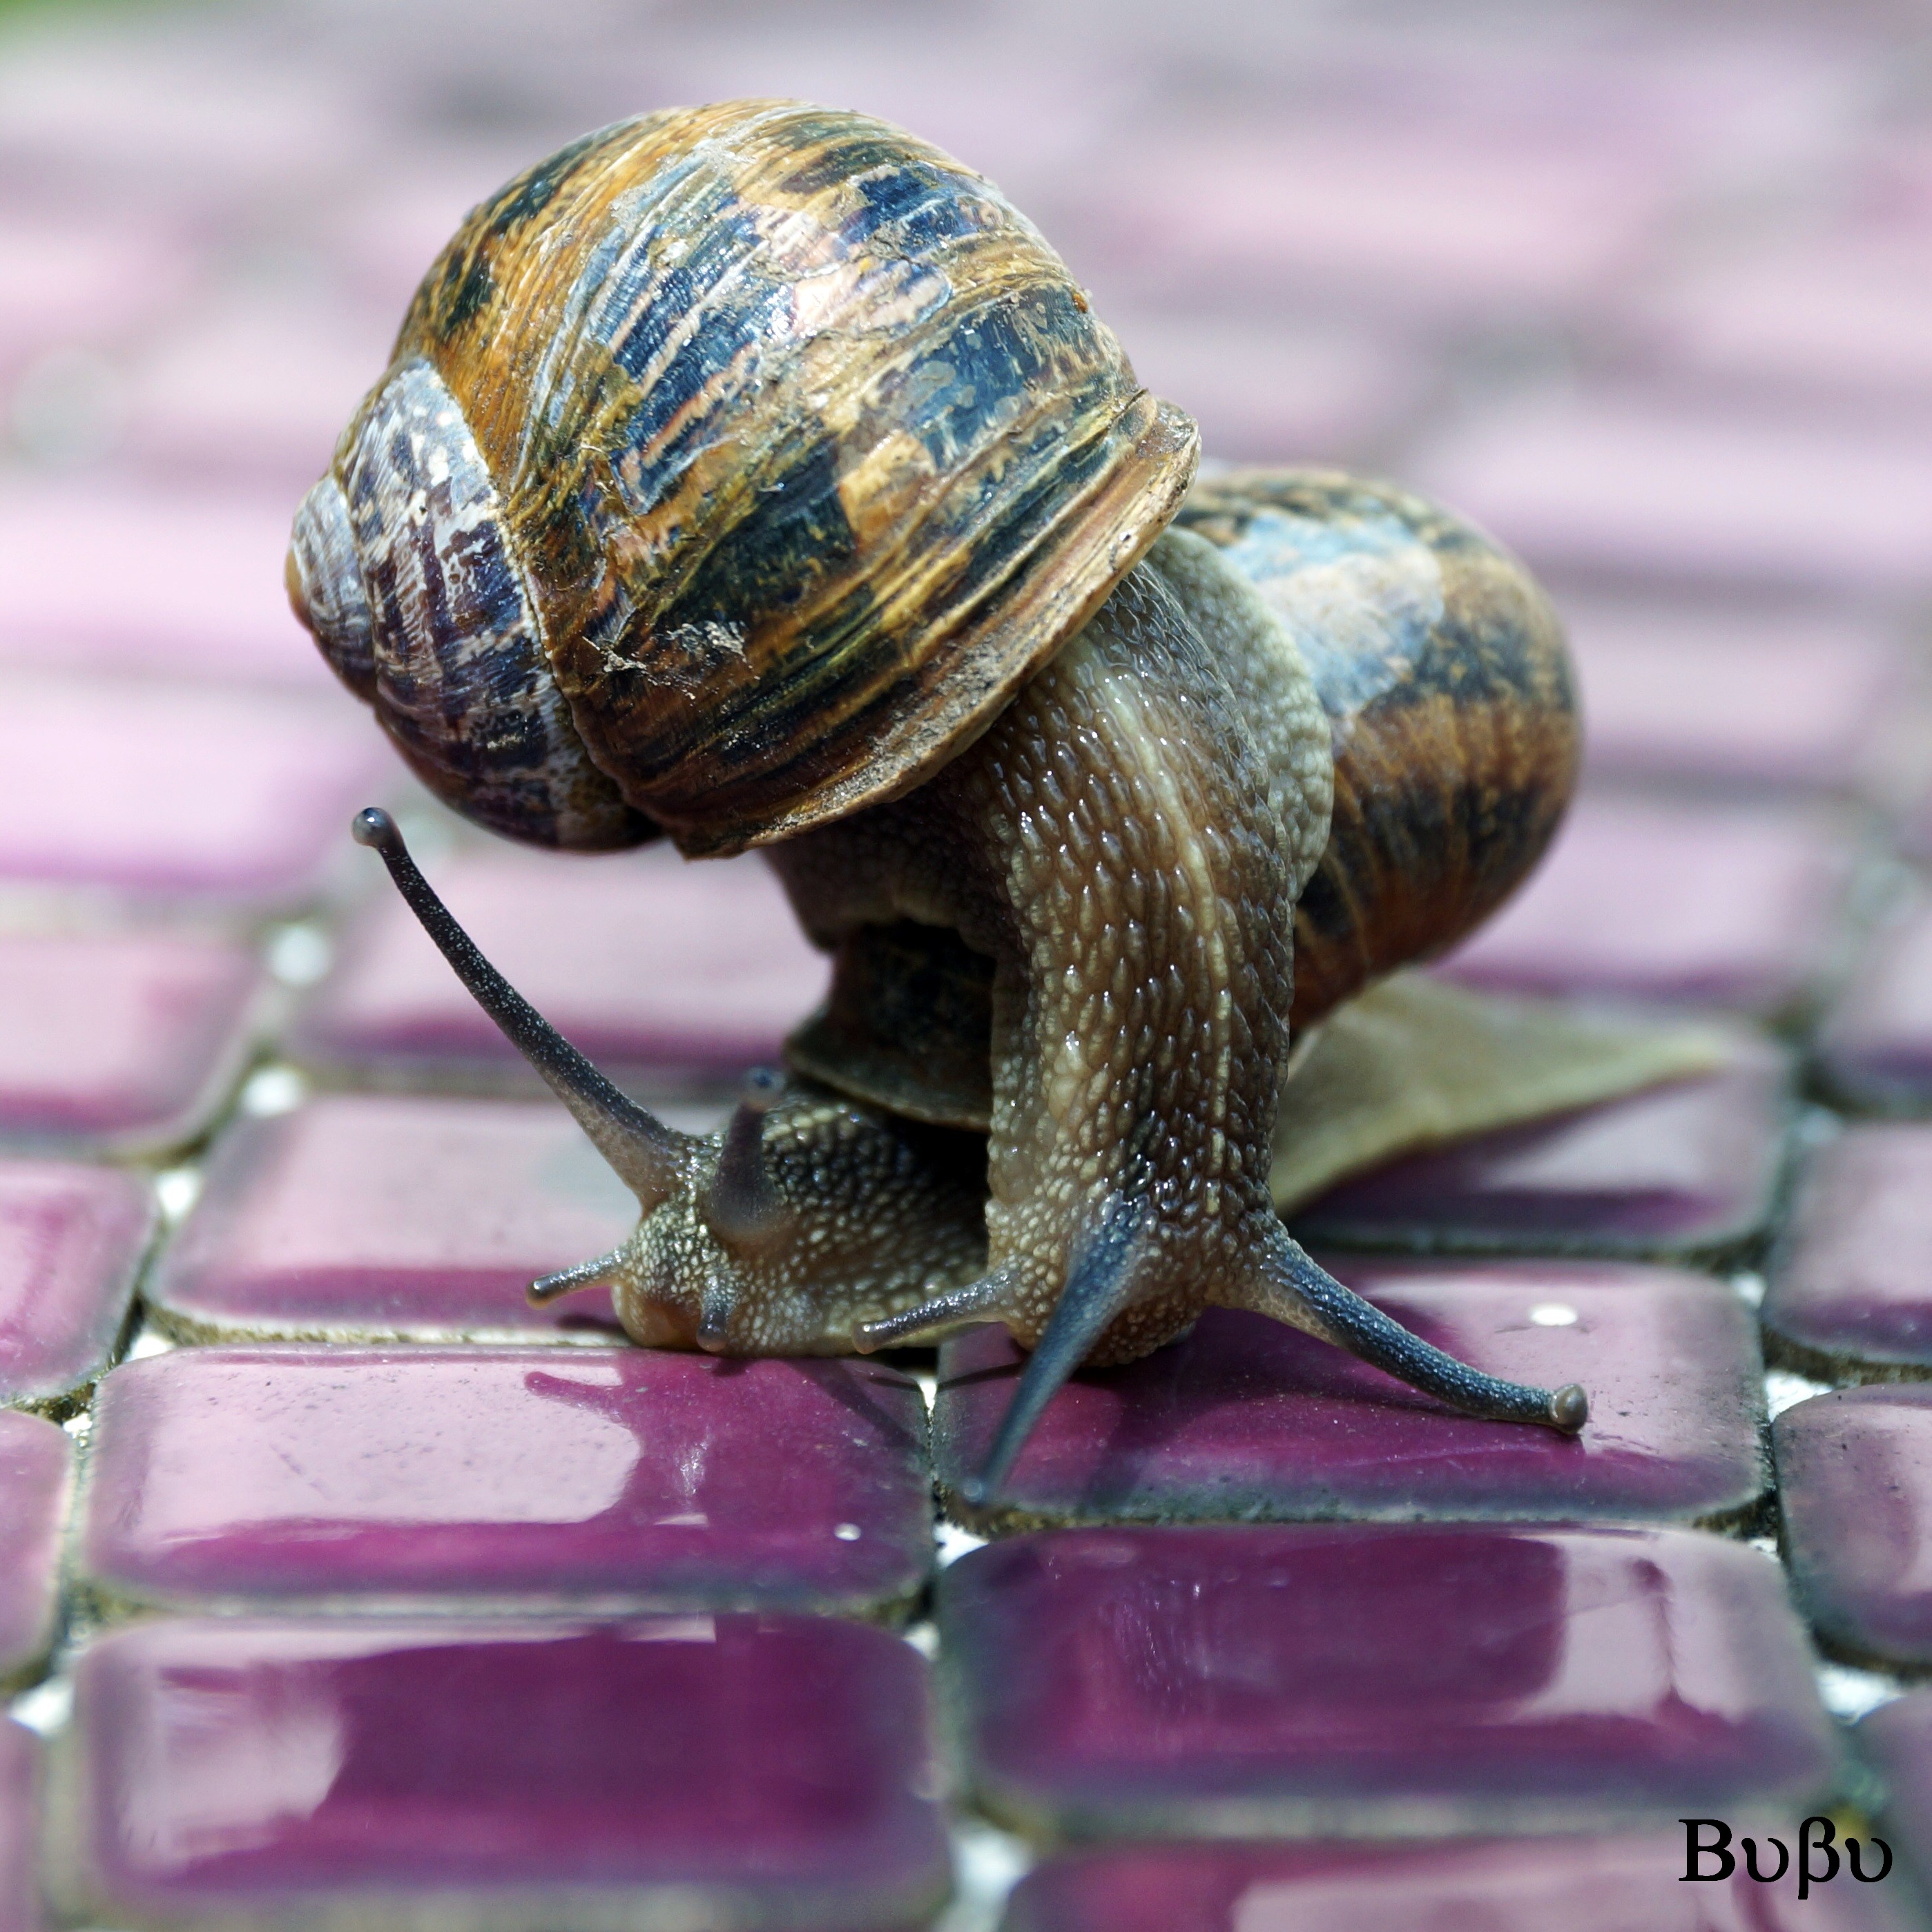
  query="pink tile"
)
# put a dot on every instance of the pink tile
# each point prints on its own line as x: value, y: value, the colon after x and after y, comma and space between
x: 1688, y: 1170
x: 372, y: 1217
x: 1836, y: 312
x: 627, y: 1479
x: 1269, y: 391
x: 1405, y: 214
x: 1733, y: 692
x: 647, y: 962
x: 201, y: 791
x: 1875, y: 1046
x: 191, y: 584
x: 1305, y: 1680
x: 1706, y: 904
x: 124, y: 1043
x: 1643, y: 484
x: 36, y: 1473
x: 20, y: 1882
x: 76, y: 277
x: 71, y: 1241
x: 1246, y: 1420
x: 253, y: 387
x: 389, y: 1774
x: 1850, y: 1289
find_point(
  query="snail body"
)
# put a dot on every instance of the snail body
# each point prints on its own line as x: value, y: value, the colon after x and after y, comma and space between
x: 1050, y: 786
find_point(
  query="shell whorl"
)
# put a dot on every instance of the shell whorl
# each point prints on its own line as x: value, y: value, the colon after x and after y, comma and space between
x: 809, y: 453
x: 405, y: 571
x: 1442, y: 669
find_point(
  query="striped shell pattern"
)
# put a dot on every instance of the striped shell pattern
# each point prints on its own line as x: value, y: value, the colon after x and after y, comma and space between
x: 734, y: 466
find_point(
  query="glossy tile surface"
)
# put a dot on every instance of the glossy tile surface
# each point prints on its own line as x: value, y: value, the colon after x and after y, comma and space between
x: 1612, y: 1884
x: 1855, y: 1468
x: 1688, y: 1169
x: 1848, y: 1283
x: 168, y: 790
x: 1876, y: 1044
x: 1269, y: 1681
x: 371, y: 1216
x: 20, y: 1882
x: 126, y: 1042
x: 643, y: 961
x: 1247, y: 1420
x: 629, y: 1478
x: 70, y: 1240
x: 1693, y: 903
x: 696, y: 1770
x: 36, y: 1474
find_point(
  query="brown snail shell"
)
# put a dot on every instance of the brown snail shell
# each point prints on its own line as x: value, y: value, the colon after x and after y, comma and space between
x: 734, y: 466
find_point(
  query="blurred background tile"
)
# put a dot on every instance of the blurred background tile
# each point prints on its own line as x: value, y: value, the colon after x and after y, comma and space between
x: 1247, y: 1421
x: 36, y: 1473
x: 655, y: 968
x: 1849, y: 1292
x: 71, y: 1238
x: 1855, y: 1471
x: 20, y: 1882
x: 1690, y: 1169
x: 1671, y: 900
x: 1875, y: 1047
x: 127, y: 1042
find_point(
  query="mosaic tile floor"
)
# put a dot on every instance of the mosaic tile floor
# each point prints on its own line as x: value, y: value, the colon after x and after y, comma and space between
x: 340, y: 1588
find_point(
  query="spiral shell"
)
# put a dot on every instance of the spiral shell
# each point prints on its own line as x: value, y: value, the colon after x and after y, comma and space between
x: 734, y: 466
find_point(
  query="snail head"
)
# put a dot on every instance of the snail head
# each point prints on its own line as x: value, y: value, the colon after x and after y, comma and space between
x: 741, y: 1231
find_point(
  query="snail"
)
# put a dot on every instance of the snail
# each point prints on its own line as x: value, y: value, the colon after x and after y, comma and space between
x: 756, y: 475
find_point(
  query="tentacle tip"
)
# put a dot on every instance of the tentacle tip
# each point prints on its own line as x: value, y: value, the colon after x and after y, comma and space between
x: 761, y: 1090
x: 866, y: 1341
x: 1569, y: 1408
x: 373, y: 826
x: 976, y: 1491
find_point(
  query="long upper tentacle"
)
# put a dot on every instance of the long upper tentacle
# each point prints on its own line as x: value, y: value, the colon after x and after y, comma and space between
x: 647, y: 1155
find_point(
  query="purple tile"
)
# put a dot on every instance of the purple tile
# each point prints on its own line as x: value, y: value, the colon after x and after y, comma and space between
x: 649, y: 963
x: 121, y: 1043
x: 1246, y: 1420
x: 1835, y: 313
x: 19, y: 1885
x: 633, y: 1479
x: 71, y: 1241
x: 1632, y: 1883
x: 1646, y: 483
x: 65, y: 271
x: 1386, y: 209
x: 1896, y: 1740
x: 1854, y: 1476
x: 385, y: 1216
x: 201, y: 791
x: 36, y: 1472
x: 732, y: 1772
x: 1261, y: 389
x: 1688, y: 1169
x: 1734, y: 693
x: 1288, y: 1681
x: 254, y: 387
x: 1706, y: 904
x: 1876, y: 1046
x: 131, y: 606
x: 1848, y: 1286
